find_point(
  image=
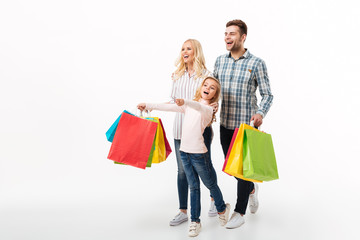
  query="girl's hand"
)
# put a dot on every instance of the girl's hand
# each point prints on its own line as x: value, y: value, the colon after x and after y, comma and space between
x: 141, y: 106
x: 179, y: 101
x: 215, y: 106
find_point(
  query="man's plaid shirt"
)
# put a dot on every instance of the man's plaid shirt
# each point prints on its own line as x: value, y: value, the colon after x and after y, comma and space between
x: 239, y: 80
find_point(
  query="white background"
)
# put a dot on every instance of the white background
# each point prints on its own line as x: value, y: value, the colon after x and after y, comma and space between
x: 69, y: 68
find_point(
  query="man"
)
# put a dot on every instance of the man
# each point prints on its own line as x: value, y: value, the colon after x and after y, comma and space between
x: 240, y: 73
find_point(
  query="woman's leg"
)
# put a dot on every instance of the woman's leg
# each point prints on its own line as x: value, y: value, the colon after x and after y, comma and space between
x: 182, y: 183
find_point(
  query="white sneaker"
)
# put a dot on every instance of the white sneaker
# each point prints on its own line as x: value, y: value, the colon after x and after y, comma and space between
x: 212, y: 211
x: 253, y: 199
x: 223, y: 218
x: 235, y: 221
x: 194, y: 229
x: 179, y: 219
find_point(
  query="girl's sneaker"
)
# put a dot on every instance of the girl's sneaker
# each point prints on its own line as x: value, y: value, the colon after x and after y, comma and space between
x: 223, y: 218
x: 194, y: 229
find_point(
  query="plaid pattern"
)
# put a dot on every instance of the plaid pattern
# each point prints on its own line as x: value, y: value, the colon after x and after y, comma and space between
x: 239, y: 80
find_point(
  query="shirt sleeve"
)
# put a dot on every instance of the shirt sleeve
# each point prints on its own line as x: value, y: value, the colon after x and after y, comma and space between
x: 173, y: 89
x: 205, y: 110
x: 167, y: 107
x: 264, y: 89
x: 216, y: 67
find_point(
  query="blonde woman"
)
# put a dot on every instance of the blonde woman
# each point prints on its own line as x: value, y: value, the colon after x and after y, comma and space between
x: 190, y: 72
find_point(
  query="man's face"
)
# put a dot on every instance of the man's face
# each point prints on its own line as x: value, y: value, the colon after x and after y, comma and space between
x: 233, y: 40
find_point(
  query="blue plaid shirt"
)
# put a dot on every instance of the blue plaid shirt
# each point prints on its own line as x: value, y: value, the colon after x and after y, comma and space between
x: 239, y: 80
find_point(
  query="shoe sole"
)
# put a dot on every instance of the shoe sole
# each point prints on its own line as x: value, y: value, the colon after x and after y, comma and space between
x: 234, y: 227
x: 212, y: 214
x: 178, y: 223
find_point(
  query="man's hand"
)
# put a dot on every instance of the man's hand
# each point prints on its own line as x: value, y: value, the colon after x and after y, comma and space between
x: 179, y: 101
x: 257, y: 118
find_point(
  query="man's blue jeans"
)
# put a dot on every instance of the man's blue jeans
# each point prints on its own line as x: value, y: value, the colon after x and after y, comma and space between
x: 182, y: 184
x: 195, y: 166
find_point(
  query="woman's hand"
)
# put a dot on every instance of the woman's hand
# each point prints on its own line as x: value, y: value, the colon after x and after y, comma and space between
x: 179, y: 101
x: 141, y: 106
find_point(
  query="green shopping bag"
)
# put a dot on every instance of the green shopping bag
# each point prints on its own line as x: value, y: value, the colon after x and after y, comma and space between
x: 258, y: 156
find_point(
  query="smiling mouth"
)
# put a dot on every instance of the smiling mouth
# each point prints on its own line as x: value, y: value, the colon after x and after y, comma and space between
x: 206, y: 93
x: 186, y: 56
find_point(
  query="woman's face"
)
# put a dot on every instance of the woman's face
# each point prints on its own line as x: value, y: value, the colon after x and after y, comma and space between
x: 209, y: 89
x: 187, y: 53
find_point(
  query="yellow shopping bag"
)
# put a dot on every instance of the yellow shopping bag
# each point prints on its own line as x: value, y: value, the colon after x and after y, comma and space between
x: 234, y: 165
x: 159, y: 154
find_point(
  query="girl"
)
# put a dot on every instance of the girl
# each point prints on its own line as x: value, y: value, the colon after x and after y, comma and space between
x: 195, y: 157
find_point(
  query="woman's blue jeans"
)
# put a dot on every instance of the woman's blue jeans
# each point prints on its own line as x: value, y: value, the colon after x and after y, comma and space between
x: 182, y: 182
x: 195, y: 166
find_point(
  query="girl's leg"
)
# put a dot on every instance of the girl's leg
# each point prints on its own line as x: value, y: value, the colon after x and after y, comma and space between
x: 194, y: 184
x: 182, y: 183
x: 204, y: 168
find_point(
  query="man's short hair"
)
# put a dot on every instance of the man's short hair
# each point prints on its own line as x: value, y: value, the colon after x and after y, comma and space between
x: 237, y: 22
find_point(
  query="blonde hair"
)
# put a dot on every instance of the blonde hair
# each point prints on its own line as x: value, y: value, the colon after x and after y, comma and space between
x: 216, y: 97
x: 199, y: 61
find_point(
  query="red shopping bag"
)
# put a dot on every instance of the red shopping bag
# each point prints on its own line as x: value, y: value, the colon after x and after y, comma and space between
x: 229, y: 150
x: 167, y: 145
x: 133, y: 141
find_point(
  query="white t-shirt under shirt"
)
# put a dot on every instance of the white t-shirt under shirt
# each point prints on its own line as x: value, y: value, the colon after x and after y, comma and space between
x: 185, y: 88
x: 197, y: 116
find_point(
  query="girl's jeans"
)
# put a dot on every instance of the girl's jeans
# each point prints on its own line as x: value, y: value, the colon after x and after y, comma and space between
x: 182, y: 182
x: 195, y: 166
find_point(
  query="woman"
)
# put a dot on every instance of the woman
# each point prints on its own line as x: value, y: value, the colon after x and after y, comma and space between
x: 190, y: 72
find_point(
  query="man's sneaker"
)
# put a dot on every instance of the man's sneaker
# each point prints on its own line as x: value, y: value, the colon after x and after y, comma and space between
x: 212, y: 211
x: 235, y: 221
x: 253, y: 199
x: 179, y: 219
x: 194, y: 229
x: 223, y: 218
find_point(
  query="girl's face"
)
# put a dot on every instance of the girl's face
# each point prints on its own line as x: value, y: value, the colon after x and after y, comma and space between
x: 187, y: 53
x: 208, y: 90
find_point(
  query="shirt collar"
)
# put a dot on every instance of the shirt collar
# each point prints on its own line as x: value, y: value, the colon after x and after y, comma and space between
x: 246, y: 54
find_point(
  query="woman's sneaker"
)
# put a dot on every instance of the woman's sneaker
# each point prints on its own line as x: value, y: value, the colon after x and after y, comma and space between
x: 253, y: 199
x: 235, y: 221
x: 194, y: 229
x: 212, y: 211
x: 179, y: 219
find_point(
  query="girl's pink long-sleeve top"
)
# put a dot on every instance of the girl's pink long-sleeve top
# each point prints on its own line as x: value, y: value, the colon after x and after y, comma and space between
x: 197, y: 116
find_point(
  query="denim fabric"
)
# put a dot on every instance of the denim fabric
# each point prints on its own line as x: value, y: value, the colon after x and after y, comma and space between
x: 244, y: 188
x: 182, y: 183
x: 195, y: 166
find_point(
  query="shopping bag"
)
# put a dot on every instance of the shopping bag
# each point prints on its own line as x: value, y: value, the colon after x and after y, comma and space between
x: 111, y: 131
x: 162, y: 148
x: 259, y: 160
x: 133, y: 141
x: 149, y: 162
x: 230, y: 147
x: 167, y: 145
x: 234, y: 165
